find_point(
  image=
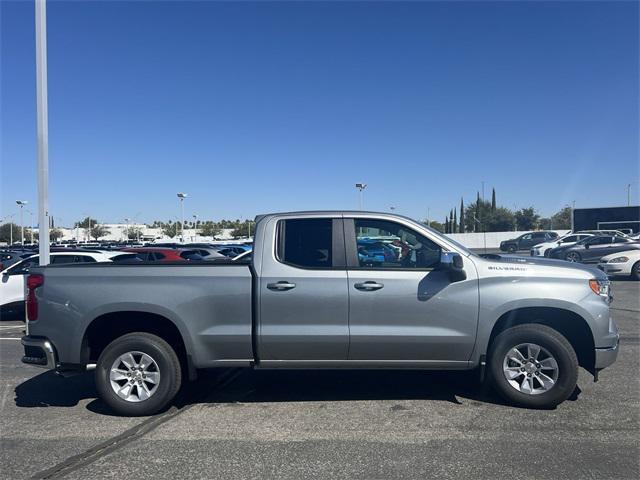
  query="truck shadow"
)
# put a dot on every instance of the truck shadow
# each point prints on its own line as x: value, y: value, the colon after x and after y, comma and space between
x: 50, y: 390
x: 265, y: 386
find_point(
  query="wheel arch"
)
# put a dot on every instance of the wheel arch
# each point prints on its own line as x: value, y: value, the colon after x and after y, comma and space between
x: 106, y: 327
x: 568, y: 323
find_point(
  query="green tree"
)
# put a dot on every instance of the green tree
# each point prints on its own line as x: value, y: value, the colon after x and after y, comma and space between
x: 134, y: 233
x: 561, y: 220
x: 493, y: 199
x: 242, y: 230
x: 98, y: 231
x: 455, y: 220
x: 500, y: 220
x: 86, y: 222
x: 170, y: 229
x: 55, y: 234
x: 436, y: 226
x: 5, y: 232
x: 209, y: 229
x: 527, y: 218
x: 461, y: 228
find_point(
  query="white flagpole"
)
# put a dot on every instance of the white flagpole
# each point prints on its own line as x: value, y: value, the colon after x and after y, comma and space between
x: 43, y: 130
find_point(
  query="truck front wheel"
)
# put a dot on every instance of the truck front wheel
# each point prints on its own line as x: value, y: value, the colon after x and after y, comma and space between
x: 533, y: 366
x: 138, y: 374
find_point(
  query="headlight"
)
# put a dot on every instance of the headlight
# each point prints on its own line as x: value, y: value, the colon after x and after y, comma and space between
x: 601, y: 287
x: 619, y: 260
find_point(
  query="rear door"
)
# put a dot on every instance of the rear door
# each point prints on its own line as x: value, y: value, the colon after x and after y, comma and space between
x: 402, y: 307
x: 304, y: 309
x: 598, y: 248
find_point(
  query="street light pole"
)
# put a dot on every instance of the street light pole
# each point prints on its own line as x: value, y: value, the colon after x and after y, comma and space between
x: 21, y: 203
x: 361, y: 187
x: 30, y: 224
x: 43, y: 130
x: 182, y: 196
x: 195, y: 232
x: 628, y: 195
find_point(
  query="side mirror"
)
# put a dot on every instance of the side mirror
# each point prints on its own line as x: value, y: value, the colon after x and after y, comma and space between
x: 587, y: 246
x: 451, y: 261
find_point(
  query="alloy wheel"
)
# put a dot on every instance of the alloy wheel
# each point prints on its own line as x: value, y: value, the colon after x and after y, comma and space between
x: 530, y: 369
x: 134, y: 376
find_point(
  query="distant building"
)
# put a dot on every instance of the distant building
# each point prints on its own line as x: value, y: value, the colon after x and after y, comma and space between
x: 607, y: 218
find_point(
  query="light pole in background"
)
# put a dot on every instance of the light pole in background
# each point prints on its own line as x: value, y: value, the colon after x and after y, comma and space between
x: 127, y: 234
x: 573, y: 207
x: 30, y: 224
x: 182, y: 196
x: 21, y: 203
x: 195, y: 232
x: 361, y: 187
x: 628, y: 194
x: 43, y: 130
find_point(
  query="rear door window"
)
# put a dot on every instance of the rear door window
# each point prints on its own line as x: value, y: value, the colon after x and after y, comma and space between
x: 306, y: 243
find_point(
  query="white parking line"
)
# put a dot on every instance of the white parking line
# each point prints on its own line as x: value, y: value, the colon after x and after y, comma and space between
x: 9, y: 338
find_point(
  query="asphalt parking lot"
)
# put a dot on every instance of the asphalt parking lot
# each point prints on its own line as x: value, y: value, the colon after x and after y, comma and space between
x: 324, y: 424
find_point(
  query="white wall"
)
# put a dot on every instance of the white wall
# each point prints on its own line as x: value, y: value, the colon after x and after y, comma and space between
x: 493, y: 239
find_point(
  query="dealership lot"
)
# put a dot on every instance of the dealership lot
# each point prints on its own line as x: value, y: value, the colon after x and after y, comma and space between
x: 324, y: 424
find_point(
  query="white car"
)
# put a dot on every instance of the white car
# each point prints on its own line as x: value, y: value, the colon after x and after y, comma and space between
x: 543, y: 249
x: 13, y: 278
x: 626, y: 264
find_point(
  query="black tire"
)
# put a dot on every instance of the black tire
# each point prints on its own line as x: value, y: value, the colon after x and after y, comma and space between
x: 512, y: 248
x: 546, y: 252
x: 168, y: 367
x: 552, y: 341
x: 635, y: 271
x: 573, y: 257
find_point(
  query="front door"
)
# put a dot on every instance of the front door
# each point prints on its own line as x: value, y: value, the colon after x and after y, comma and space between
x: 304, y: 308
x: 402, y: 307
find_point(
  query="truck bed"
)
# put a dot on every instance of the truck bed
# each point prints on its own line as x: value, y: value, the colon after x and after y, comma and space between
x: 210, y: 303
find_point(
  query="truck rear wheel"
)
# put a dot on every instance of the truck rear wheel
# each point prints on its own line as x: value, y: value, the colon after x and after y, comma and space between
x: 138, y: 374
x: 533, y: 366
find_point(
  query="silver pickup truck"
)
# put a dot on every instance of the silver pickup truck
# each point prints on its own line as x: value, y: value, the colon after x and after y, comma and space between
x: 324, y: 290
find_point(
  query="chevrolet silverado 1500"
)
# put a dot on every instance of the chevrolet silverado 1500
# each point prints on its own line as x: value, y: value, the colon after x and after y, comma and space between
x: 324, y: 290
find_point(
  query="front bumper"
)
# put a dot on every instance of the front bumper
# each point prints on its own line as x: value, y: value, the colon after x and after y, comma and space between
x: 615, y: 268
x: 39, y: 352
x: 606, y: 356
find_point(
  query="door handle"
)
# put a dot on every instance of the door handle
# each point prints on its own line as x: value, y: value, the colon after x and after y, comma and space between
x: 281, y: 286
x: 368, y: 286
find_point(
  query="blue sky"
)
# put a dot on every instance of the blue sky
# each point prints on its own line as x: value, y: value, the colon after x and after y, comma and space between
x: 257, y: 107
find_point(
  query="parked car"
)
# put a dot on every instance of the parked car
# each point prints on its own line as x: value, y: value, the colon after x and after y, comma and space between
x: 543, y: 249
x: 615, y: 233
x: 232, y: 250
x: 526, y: 241
x: 592, y: 249
x: 622, y: 264
x: 207, y: 253
x: 152, y: 254
x: 13, y: 277
x: 9, y: 257
x: 244, y: 257
x: 307, y: 301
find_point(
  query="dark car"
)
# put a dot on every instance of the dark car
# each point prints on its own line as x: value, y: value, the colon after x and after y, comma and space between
x: 9, y: 257
x: 592, y: 249
x: 526, y: 241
